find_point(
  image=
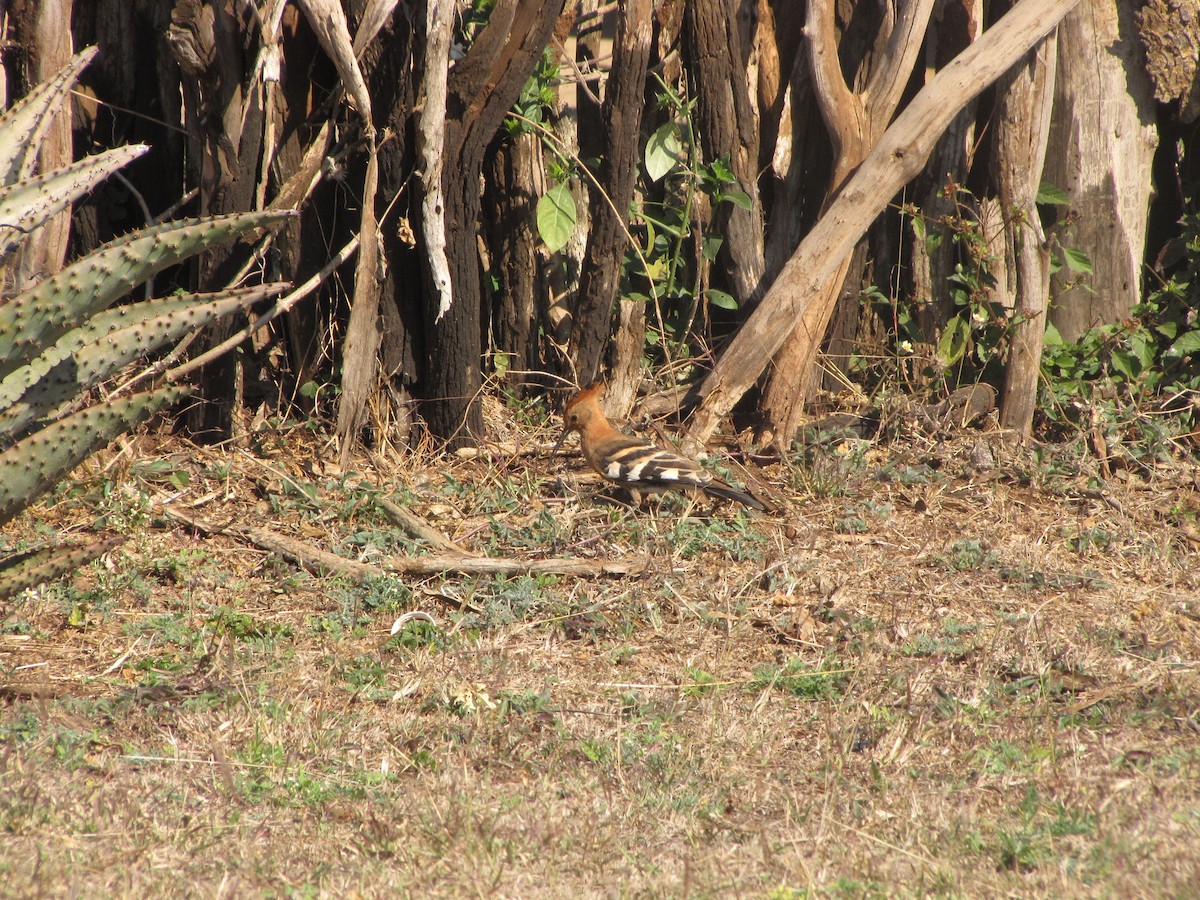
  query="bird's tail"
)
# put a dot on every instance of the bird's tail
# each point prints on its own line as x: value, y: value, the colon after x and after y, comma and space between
x: 725, y: 492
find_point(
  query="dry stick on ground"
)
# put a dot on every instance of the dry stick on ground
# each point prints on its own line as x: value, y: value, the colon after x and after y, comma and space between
x: 322, y: 562
x: 899, y: 157
x: 416, y: 527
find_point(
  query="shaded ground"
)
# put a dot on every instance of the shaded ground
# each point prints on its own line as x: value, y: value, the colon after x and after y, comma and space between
x: 944, y: 667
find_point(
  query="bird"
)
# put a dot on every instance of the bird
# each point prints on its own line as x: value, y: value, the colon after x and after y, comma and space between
x: 634, y: 463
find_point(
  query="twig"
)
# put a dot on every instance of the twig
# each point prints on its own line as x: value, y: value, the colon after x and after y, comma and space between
x: 281, y: 306
x: 416, y: 527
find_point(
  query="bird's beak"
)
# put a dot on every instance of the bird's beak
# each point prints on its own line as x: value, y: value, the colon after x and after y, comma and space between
x: 558, y: 444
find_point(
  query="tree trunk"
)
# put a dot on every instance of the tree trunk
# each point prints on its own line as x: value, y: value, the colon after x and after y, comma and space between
x: 45, y: 31
x: 953, y: 28
x: 1022, y: 127
x: 213, y: 45
x: 304, y: 243
x: 482, y: 87
x: 601, y: 273
x: 899, y: 156
x: 856, y: 120
x: 515, y: 180
x: 1102, y: 144
x: 727, y: 126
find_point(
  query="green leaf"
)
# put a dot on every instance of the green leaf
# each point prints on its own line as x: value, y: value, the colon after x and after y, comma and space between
x: 711, y: 246
x: 501, y: 362
x: 664, y: 151
x: 41, y: 315
x: 1188, y: 343
x: 24, y: 124
x: 30, y: 203
x: 1053, y: 336
x: 1168, y: 329
x: 739, y: 198
x: 1125, y: 363
x: 1077, y: 261
x: 85, y: 356
x: 721, y: 299
x: 918, y: 227
x: 953, y: 342
x: 30, y: 568
x: 1143, y: 348
x: 1048, y: 193
x: 29, y: 467
x: 556, y: 217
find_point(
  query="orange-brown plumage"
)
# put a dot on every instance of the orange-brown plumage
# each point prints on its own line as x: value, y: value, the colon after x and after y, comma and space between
x: 635, y: 463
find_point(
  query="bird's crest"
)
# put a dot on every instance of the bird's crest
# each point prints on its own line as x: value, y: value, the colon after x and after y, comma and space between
x: 594, y: 391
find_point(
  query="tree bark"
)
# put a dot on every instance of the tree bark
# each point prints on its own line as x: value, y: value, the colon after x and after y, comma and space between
x: 1022, y: 128
x: 897, y: 158
x: 1103, y: 141
x: 45, y: 31
x: 515, y: 179
x: 301, y: 145
x: 224, y: 118
x: 855, y: 120
x: 601, y: 273
x: 481, y: 89
x: 727, y: 126
x: 953, y: 28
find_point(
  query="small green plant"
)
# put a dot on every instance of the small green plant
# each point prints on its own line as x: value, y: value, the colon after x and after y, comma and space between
x: 825, y: 681
x: 701, y: 682
x: 1137, y: 379
x: 972, y: 339
x: 733, y: 538
x: 966, y: 555
x: 671, y: 269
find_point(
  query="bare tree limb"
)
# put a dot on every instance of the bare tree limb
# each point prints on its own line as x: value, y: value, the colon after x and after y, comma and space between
x: 890, y: 75
x: 896, y: 159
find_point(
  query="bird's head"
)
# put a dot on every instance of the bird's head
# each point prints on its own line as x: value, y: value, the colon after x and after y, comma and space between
x: 579, y: 410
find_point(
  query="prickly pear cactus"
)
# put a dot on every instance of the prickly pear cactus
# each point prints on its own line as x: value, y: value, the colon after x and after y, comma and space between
x: 59, y: 338
x: 30, y: 568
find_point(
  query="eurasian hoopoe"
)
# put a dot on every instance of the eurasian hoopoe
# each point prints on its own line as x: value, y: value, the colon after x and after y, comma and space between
x: 633, y: 463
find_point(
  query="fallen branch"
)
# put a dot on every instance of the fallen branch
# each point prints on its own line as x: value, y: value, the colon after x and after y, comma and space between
x: 322, y: 562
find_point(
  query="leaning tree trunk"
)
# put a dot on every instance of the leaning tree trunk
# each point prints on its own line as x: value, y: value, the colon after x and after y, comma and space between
x: 797, y: 294
x: 1102, y: 144
x: 479, y: 92
x: 856, y: 121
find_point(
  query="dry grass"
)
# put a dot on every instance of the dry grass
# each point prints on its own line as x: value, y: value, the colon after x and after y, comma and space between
x: 922, y: 676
